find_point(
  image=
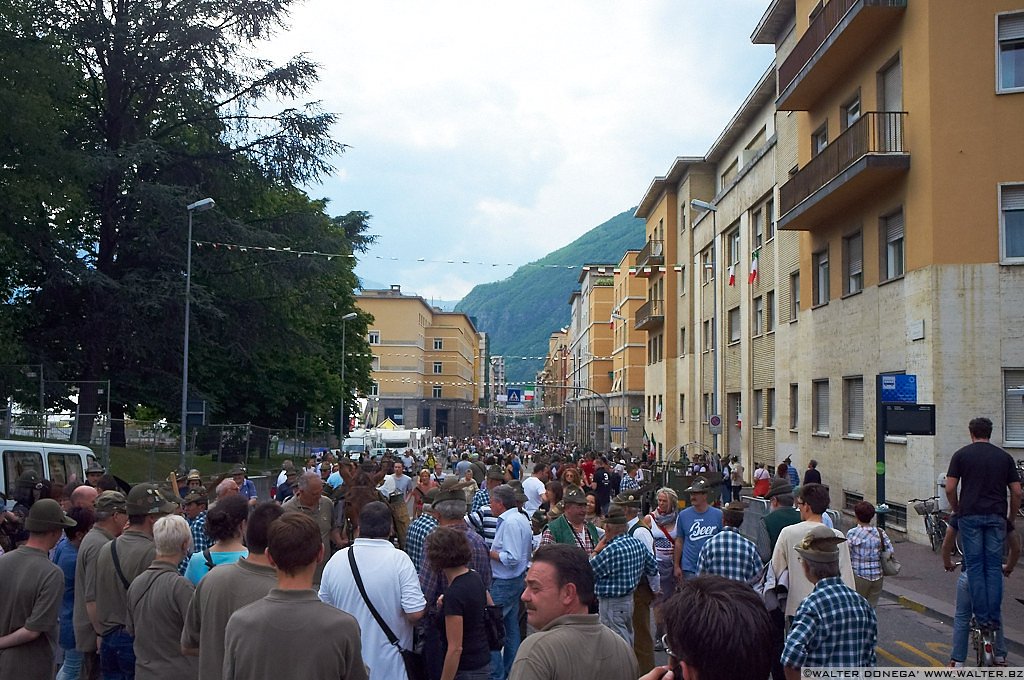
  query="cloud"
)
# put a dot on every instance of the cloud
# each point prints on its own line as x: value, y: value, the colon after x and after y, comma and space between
x: 504, y: 131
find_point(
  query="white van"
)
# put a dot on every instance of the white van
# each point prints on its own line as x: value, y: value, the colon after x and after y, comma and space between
x: 59, y: 463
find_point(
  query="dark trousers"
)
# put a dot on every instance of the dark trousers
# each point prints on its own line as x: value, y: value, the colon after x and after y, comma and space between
x: 117, y: 656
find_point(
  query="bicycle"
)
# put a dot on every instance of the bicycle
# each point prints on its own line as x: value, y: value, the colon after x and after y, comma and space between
x: 934, y: 519
x: 983, y: 641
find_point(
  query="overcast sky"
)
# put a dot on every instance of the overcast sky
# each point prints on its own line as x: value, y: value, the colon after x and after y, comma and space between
x: 498, y: 132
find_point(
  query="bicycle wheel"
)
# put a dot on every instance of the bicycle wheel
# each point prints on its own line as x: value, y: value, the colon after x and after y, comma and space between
x: 932, y: 529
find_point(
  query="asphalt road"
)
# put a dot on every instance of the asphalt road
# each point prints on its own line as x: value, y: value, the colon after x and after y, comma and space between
x: 908, y: 638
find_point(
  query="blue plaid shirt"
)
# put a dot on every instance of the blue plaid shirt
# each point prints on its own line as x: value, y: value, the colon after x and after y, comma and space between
x: 865, y: 549
x: 619, y: 566
x: 730, y: 554
x: 480, y: 499
x: 629, y: 484
x: 416, y: 538
x: 833, y: 626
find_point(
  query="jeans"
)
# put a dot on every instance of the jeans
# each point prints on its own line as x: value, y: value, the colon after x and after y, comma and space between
x: 72, y: 666
x: 117, y: 656
x: 506, y: 593
x: 727, y: 494
x: 617, y: 614
x: 962, y: 623
x: 982, y: 537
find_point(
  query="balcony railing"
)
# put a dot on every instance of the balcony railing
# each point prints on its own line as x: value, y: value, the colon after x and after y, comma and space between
x: 819, y: 30
x: 650, y: 314
x: 876, y: 132
x: 652, y: 254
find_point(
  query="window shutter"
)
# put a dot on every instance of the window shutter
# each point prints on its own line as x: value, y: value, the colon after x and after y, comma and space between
x: 1013, y: 406
x: 1013, y: 197
x: 1011, y: 27
x: 856, y: 253
x: 821, y: 406
x: 855, y: 406
x: 894, y: 228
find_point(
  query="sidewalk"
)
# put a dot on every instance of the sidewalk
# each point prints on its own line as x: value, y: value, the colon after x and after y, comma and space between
x: 924, y: 586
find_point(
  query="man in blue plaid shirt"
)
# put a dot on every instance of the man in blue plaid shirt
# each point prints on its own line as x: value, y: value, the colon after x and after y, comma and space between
x: 729, y: 553
x: 482, y: 498
x: 421, y: 527
x: 619, y: 561
x: 833, y: 626
x: 629, y: 480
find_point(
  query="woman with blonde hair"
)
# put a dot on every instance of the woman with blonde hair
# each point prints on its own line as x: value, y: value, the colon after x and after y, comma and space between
x: 662, y: 523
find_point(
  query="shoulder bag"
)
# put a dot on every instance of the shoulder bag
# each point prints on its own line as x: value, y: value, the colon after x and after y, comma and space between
x: 414, y: 666
x: 890, y: 565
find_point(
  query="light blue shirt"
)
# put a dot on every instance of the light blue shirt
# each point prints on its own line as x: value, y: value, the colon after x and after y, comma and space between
x: 513, y: 542
x: 335, y: 480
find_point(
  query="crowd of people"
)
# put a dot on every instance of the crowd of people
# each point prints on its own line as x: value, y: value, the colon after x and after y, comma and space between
x: 486, y: 558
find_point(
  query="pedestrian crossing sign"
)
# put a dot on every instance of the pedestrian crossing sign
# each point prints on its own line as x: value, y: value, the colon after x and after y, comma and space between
x: 515, y: 395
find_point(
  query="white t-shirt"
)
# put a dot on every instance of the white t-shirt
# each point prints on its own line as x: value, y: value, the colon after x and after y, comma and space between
x: 533, y: 488
x: 394, y: 588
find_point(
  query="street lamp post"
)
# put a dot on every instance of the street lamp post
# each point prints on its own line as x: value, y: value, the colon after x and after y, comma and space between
x: 343, y: 429
x: 697, y: 204
x: 198, y: 206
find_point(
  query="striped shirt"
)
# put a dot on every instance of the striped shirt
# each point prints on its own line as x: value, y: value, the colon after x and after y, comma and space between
x: 484, y: 523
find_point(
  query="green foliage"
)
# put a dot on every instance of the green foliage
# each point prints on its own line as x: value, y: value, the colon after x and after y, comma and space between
x: 520, y: 313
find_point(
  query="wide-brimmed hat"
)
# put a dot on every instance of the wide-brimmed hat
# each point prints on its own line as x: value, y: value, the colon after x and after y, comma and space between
x: 193, y: 475
x: 495, y: 472
x: 517, y: 486
x: 734, y: 512
x: 146, y: 499
x: 820, y: 545
x: 46, y: 515
x: 699, y: 485
x: 628, y: 499
x: 237, y: 470
x: 615, y: 516
x: 575, y: 495
x: 195, y: 496
x: 111, y: 501
x: 30, y: 479
x: 779, y: 487
x: 94, y: 467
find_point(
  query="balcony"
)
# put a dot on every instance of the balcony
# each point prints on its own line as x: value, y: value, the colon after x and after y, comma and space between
x: 653, y: 254
x: 868, y: 154
x: 650, y: 315
x: 836, y: 38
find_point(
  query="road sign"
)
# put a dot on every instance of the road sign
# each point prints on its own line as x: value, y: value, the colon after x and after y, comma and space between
x: 715, y: 424
x: 195, y: 413
x: 904, y: 419
x: 634, y: 411
x: 515, y: 395
x: 634, y: 419
x: 619, y: 428
x: 899, y: 389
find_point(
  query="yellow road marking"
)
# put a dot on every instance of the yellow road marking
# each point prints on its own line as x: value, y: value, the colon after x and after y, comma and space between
x: 914, y: 650
x: 892, y: 657
x: 939, y: 647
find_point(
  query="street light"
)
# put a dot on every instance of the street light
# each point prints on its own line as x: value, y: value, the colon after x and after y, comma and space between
x: 698, y: 204
x: 342, y: 429
x: 198, y: 206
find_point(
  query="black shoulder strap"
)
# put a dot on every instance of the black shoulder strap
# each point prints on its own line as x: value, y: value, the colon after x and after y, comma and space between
x: 117, y: 564
x: 209, y: 558
x: 373, y: 610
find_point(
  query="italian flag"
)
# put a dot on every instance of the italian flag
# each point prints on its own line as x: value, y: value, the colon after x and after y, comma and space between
x: 754, y: 256
x: 732, y: 275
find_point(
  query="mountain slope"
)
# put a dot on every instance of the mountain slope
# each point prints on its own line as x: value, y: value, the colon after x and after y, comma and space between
x: 520, y: 313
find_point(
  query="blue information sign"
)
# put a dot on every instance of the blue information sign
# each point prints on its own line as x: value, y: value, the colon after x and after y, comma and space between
x: 515, y: 395
x: 899, y: 389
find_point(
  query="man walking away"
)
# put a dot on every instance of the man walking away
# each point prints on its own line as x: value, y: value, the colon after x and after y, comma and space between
x: 260, y: 637
x: 619, y: 561
x: 984, y: 472
x: 558, y: 595
x: 729, y: 553
x: 510, y: 557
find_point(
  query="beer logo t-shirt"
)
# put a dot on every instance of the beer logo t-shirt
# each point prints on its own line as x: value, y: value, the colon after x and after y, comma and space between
x: 695, y: 528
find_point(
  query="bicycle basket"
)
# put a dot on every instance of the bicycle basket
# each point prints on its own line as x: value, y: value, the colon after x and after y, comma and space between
x: 926, y: 507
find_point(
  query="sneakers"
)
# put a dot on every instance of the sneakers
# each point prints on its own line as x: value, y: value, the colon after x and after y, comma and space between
x: 953, y: 663
x: 1000, y: 661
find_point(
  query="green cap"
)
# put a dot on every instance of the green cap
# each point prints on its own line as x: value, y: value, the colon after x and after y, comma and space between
x: 146, y: 499
x: 628, y: 499
x: 111, y: 501
x: 575, y: 495
x: 46, y: 515
x: 820, y: 545
x: 615, y: 516
x: 495, y: 472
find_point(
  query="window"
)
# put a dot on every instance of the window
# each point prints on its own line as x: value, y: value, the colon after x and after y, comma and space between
x: 1011, y: 205
x: 375, y: 389
x: 734, y: 324
x: 375, y: 363
x: 794, y: 406
x: 853, y: 406
x: 682, y: 280
x: 374, y: 337
x: 707, y: 406
x: 438, y: 368
x: 730, y: 172
x: 892, y: 245
x: 851, y: 499
x: 1011, y: 52
x: 682, y: 408
x: 819, y: 404
x: 850, y: 112
x: 757, y: 228
x: 708, y: 335
x: 819, y: 140
x: 758, y: 408
x: 769, y: 415
x: 1013, y: 406
x: 708, y: 260
x: 435, y: 392
x: 820, y: 264
x: 682, y: 341
x: 769, y: 311
x: 853, y: 264
x: 758, y: 316
x: 438, y: 343
x: 769, y: 219
x: 65, y: 467
x: 794, y: 295
x: 734, y: 247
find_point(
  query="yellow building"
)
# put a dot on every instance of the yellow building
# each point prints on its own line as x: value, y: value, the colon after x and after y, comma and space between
x: 588, y: 413
x: 552, y: 380
x: 907, y: 192
x: 425, y: 363
x: 628, y: 356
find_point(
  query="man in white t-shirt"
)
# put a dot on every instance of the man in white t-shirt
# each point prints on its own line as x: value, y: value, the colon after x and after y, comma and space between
x: 533, y: 487
x: 391, y: 584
